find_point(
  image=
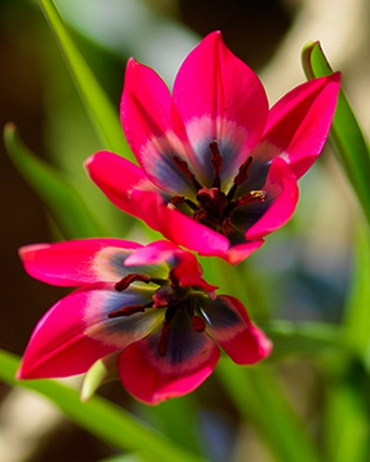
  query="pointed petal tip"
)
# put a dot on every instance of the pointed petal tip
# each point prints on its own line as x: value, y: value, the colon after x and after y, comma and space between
x: 87, y: 162
x: 19, y: 375
x: 26, y: 251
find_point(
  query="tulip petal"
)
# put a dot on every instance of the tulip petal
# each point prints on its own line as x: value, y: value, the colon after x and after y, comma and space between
x: 147, y: 123
x: 219, y: 98
x: 77, y: 262
x: 239, y: 252
x: 190, y: 359
x: 261, y: 218
x: 117, y: 177
x: 229, y: 325
x: 184, y: 265
x: 299, y: 123
x: 76, y: 331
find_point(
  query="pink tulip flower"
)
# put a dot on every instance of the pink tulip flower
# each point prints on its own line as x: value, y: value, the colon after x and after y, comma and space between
x: 218, y: 168
x: 149, y: 305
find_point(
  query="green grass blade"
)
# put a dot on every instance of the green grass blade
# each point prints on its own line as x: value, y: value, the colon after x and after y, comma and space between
x: 357, y: 312
x: 346, y: 423
x: 308, y: 338
x: 346, y: 134
x: 101, y: 418
x: 62, y: 199
x: 103, y: 114
x: 258, y: 396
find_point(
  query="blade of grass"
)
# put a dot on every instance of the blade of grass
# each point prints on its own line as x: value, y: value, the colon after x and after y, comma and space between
x: 105, y: 420
x: 258, y: 396
x: 357, y: 312
x: 60, y: 196
x: 305, y: 338
x: 346, y: 424
x: 100, y: 108
x: 346, y: 134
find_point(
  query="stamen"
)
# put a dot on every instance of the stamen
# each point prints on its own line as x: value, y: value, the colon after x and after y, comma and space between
x: 240, y: 177
x: 177, y: 200
x: 183, y: 166
x: 164, y: 339
x: 252, y: 196
x: 243, y: 171
x: 216, y: 161
x: 129, y: 279
x: 227, y: 227
x: 199, y: 215
x: 129, y: 310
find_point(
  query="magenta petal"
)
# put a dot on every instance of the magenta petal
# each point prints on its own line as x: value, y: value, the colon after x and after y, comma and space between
x: 147, y: 122
x: 299, y: 123
x: 77, y: 262
x: 176, y: 226
x: 76, y: 332
x: 230, y: 326
x: 239, y: 252
x: 117, y: 177
x: 191, y: 358
x: 282, y: 197
x: 219, y: 98
x: 184, y: 265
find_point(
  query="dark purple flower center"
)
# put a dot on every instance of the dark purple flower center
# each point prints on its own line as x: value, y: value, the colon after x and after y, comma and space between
x: 170, y: 295
x: 214, y: 208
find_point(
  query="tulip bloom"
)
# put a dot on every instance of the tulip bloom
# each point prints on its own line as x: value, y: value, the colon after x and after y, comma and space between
x: 218, y: 169
x: 148, y: 304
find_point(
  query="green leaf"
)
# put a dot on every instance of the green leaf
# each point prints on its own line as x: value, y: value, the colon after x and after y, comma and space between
x: 346, y: 423
x: 258, y: 395
x: 103, y: 114
x: 346, y: 135
x: 124, y: 458
x: 357, y: 312
x: 60, y: 196
x: 305, y: 338
x: 105, y: 420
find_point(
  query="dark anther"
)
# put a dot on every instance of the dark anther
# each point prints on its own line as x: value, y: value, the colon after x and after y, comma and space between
x: 243, y: 171
x: 129, y: 310
x: 177, y: 200
x: 183, y: 166
x: 216, y: 161
x: 252, y: 196
x: 227, y: 227
x: 199, y: 215
x: 198, y: 323
x: 164, y: 339
x: 240, y: 177
x: 249, y: 198
x: 129, y: 279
